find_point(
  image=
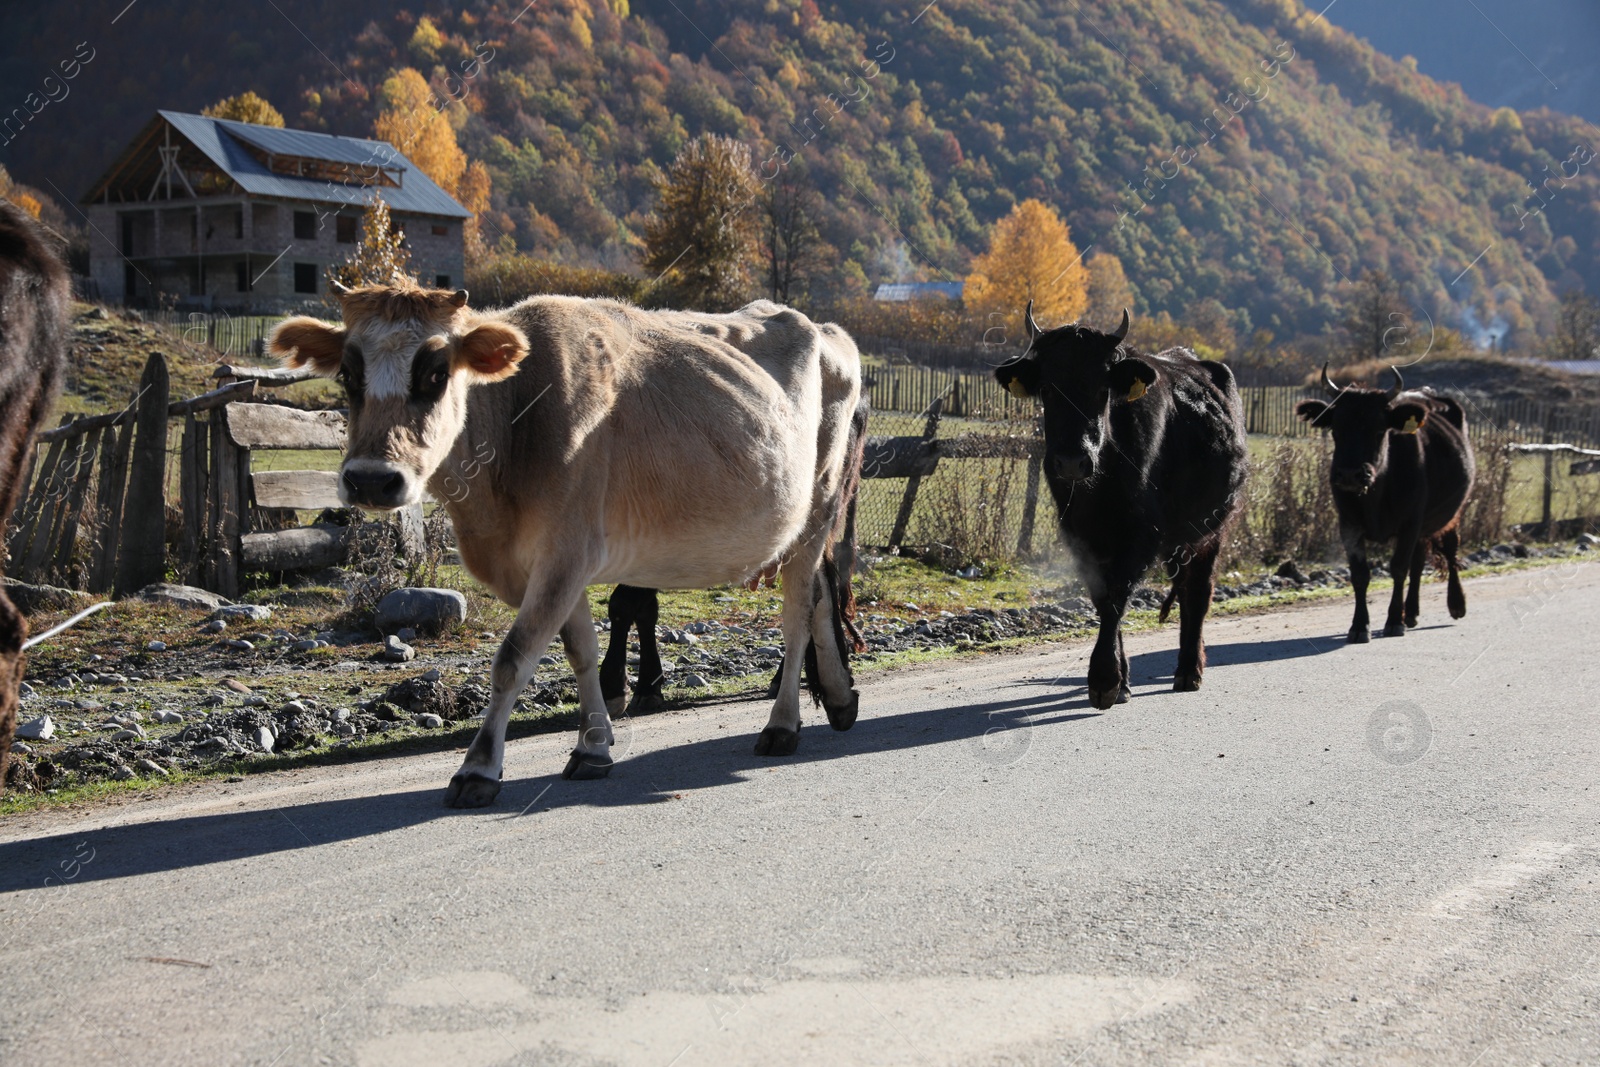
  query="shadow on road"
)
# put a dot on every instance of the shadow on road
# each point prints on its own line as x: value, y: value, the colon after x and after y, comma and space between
x: 640, y: 778
x: 1158, y: 666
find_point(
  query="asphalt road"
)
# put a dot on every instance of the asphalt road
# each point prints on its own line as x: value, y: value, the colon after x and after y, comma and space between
x: 1330, y: 854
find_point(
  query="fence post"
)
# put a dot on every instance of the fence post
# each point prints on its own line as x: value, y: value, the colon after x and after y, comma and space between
x: 902, y: 518
x: 1546, y: 526
x: 105, y: 574
x: 142, y: 555
x: 1030, y: 505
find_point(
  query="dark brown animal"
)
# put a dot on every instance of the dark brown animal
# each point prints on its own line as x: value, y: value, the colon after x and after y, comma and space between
x: 1402, y: 471
x: 34, y: 291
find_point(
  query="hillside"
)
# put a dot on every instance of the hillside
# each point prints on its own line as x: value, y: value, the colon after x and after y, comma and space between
x: 1338, y: 160
x: 1506, y: 53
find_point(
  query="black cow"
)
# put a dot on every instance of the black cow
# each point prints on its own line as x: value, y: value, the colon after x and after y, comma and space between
x: 34, y: 325
x: 632, y: 607
x: 1402, y: 471
x: 1146, y: 458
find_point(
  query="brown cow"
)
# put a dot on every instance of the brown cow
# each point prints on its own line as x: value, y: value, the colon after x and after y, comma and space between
x: 34, y: 323
x: 583, y: 442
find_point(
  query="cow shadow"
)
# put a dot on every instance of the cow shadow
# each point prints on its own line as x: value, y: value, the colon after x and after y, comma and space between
x: 1159, y: 666
x: 993, y: 732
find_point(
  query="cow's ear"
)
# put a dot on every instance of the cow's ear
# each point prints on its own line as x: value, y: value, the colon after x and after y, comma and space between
x: 490, y: 351
x: 1312, y: 410
x: 1130, y: 378
x: 303, y: 341
x: 1407, y: 417
x: 1020, y: 376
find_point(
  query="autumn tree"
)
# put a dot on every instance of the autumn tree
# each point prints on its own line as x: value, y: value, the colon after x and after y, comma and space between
x: 380, y: 256
x: 790, y: 241
x: 412, y: 119
x: 1109, y: 291
x: 1031, y: 257
x: 1374, y: 316
x: 1577, y: 327
x: 473, y: 193
x: 246, y: 107
x: 702, y: 235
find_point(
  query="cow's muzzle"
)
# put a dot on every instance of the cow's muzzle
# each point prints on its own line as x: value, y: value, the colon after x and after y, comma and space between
x: 1072, y: 467
x: 375, y: 484
x: 1353, y: 479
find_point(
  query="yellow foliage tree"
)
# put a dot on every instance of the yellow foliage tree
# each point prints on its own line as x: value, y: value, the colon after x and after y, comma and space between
x: 380, y: 257
x: 246, y: 107
x: 473, y: 192
x: 1031, y: 257
x: 426, y: 41
x: 1109, y: 291
x: 412, y: 120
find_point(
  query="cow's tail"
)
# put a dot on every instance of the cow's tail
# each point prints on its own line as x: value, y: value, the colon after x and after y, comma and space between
x: 842, y: 555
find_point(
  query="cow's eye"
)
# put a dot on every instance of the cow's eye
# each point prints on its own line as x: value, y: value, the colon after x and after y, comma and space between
x: 438, y: 378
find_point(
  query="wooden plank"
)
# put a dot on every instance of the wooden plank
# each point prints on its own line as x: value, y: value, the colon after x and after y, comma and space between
x: 142, y: 555
x: 930, y: 430
x: 270, y: 377
x: 73, y: 511
x: 1586, y: 466
x: 225, y: 542
x: 99, y: 576
x: 898, y: 457
x: 273, y: 427
x: 22, y: 532
x: 111, y: 525
x: 44, y: 531
x: 191, y: 498
x: 306, y: 547
x: 301, y: 490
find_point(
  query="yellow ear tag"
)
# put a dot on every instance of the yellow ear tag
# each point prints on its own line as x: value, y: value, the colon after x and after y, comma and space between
x: 1411, y: 426
x: 1136, y: 390
x: 1017, y: 389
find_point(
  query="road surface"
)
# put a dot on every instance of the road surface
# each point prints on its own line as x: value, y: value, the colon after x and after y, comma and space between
x: 1330, y: 854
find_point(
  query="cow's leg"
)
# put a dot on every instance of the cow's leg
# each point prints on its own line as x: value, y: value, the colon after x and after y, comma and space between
x: 782, y: 733
x: 614, y: 668
x: 1414, y: 590
x: 592, y: 757
x: 647, y: 694
x: 1108, y: 671
x: 1405, y: 549
x: 1193, y: 605
x: 545, y: 608
x: 1456, y: 598
x: 13, y: 631
x: 1355, y: 549
x: 827, y: 656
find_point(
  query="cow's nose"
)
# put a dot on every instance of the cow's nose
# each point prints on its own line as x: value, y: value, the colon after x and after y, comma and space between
x: 1356, y: 480
x: 381, y: 487
x: 1072, y: 468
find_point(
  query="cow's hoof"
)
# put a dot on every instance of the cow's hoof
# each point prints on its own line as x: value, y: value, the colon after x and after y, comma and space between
x: 776, y: 741
x: 586, y: 766
x: 471, y: 790
x: 1103, y: 699
x: 843, y: 716
x: 646, y: 700
x: 1458, y: 611
x: 1395, y: 629
x: 1411, y: 622
x: 1359, y: 635
x: 1186, y: 682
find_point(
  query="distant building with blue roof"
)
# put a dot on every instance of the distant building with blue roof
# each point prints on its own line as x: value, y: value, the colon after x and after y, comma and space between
x: 899, y: 292
x: 231, y: 215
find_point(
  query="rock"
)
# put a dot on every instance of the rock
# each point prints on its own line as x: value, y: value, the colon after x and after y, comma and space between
x: 397, y: 651
x: 548, y: 660
x: 406, y: 633
x: 239, y: 645
x: 428, y: 722
x: 255, y: 700
x: 294, y: 707
x: 252, y: 612
x: 156, y: 646
x: 21, y: 748
x: 428, y: 611
x: 25, y: 690
x: 215, y: 626
x: 419, y: 696
x: 150, y: 766
x: 182, y: 596
x: 235, y: 685
x: 1288, y: 569
x: 127, y: 735
x: 344, y: 729
x: 167, y: 716
x: 694, y: 681
x: 305, y: 646
x: 35, y: 599
x: 212, y: 700
x: 770, y: 651
x: 263, y: 738
x: 41, y: 729
x: 122, y: 774
x: 431, y: 675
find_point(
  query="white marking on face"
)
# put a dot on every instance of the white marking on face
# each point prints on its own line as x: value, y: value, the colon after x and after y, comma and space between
x: 389, y: 349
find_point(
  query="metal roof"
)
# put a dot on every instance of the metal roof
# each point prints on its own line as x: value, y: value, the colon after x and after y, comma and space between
x: 223, y: 142
x: 895, y: 292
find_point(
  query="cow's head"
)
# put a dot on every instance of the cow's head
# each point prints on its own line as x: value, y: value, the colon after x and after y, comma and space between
x: 406, y: 357
x: 1077, y: 374
x: 1361, y: 421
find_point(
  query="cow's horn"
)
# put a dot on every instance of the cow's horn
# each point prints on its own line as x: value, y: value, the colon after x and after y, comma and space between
x: 1327, y: 382
x: 459, y: 298
x: 1399, y: 383
x: 1121, y: 332
x: 1033, y: 327
x: 339, y: 287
